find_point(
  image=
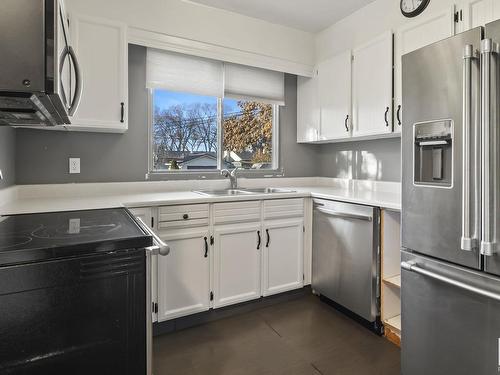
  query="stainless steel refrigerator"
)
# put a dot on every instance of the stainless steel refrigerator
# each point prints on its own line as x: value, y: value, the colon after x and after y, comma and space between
x: 451, y: 206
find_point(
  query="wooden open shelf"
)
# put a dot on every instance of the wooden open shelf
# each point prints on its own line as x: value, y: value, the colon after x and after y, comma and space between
x: 394, y: 281
x: 394, y: 324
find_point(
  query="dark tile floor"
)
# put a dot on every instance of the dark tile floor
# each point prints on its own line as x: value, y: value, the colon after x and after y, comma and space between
x: 299, y: 337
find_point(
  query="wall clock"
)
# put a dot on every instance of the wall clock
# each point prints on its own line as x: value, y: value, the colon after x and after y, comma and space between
x: 412, y: 8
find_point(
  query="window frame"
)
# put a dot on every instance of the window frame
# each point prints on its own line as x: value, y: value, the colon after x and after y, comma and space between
x: 275, y: 170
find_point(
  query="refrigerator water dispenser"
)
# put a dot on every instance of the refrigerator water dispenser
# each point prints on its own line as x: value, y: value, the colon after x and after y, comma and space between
x: 433, y: 153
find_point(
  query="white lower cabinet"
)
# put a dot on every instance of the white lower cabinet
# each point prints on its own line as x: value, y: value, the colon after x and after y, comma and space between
x: 237, y: 263
x: 184, y: 274
x: 283, y: 255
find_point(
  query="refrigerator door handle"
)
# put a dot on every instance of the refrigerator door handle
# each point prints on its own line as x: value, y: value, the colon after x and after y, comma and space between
x: 469, y: 227
x: 488, y: 153
x: 412, y: 267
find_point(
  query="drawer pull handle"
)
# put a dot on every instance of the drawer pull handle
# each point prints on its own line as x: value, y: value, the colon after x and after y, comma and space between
x: 185, y: 216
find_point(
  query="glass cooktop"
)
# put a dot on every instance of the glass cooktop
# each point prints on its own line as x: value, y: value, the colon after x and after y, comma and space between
x: 59, y: 234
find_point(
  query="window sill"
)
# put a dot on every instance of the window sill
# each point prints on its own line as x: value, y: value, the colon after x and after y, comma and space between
x: 212, y: 175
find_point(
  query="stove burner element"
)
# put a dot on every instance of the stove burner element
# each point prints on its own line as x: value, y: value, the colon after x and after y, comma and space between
x: 70, y: 231
x: 9, y: 242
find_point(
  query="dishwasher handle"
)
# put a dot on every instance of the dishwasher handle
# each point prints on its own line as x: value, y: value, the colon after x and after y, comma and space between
x: 343, y: 215
x: 163, y: 248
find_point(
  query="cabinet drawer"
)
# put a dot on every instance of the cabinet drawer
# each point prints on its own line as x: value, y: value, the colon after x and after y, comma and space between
x: 283, y: 208
x: 233, y: 212
x: 181, y: 224
x: 185, y: 212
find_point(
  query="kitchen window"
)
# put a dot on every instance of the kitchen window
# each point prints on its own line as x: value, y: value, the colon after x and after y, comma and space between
x: 206, y: 115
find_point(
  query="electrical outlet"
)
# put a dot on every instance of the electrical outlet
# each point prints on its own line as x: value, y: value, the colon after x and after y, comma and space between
x: 74, y: 165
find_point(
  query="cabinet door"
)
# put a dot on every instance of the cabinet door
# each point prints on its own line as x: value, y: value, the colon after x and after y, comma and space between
x: 146, y: 214
x: 237, y: 257
x: 101, y: 48
x: 476, y: 13
x: 283, y: 254
x: 335, y: 96
x: 308, y: 114
x: 412, y: 36
x: 372, y: 87
x: 184, y: 274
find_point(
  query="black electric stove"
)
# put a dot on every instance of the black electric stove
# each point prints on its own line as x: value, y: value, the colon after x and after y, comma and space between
x: 73, y: 293
x: 35, y: 237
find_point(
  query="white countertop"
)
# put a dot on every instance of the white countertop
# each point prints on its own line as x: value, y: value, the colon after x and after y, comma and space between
x: 69, y: 197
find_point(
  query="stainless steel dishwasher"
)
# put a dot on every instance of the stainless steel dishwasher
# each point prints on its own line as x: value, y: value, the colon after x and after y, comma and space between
x: 346, y: 259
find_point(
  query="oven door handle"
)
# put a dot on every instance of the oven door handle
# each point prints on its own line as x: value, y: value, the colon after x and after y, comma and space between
x: 162, y: 247
x: 413, y: 267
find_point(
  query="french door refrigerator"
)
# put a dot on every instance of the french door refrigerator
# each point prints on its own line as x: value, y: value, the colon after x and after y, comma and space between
x: 451, y: 206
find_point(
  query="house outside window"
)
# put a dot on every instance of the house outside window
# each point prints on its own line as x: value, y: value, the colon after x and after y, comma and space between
x: 207, y: 115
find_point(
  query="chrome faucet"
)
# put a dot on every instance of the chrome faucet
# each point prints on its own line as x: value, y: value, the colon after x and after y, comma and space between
x: 232, y: 176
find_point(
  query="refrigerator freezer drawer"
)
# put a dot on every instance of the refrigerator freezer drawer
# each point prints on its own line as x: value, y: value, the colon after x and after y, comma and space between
x: 450, y: 319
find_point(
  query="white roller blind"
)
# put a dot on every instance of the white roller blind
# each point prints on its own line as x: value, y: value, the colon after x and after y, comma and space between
x: 184, y: 73
x: 246, y: 82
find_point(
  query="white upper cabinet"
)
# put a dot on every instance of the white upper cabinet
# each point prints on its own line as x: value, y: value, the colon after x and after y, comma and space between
x: 335, y: 96
x: 101, y: 48
x: 476, y: 13
x: 308, y: 113
x: 416, y: 34
x: 372, y: 87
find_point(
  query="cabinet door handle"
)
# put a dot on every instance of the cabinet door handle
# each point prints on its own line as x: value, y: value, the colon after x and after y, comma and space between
x: 206, y: 247
x: 258, y: 239
x: 346, y: 124
x: 185, y: 216
x: 268, y: 237
x: 385, y: 116
x: 398, y: 115
x: 122, y: 112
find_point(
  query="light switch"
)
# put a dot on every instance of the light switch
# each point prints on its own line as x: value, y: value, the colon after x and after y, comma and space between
x: 74, y: 165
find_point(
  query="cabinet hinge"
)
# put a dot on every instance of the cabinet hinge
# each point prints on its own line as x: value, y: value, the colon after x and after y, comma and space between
x: 212, y: 240
x: 458, y: 16
x: 304, y: 228
x: 155, y: 308
x: 152, y: 222
x: 303, y: 277
x: 211, y: 296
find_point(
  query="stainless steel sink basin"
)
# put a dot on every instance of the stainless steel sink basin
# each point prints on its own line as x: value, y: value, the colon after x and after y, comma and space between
x: 270, y: 190
x: 231, y: 192
x: 224, y: 193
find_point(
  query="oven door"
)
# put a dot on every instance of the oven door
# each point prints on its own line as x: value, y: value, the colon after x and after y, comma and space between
x: 75, y: 316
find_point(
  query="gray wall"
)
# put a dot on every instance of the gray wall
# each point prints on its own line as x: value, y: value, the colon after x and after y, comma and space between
x: 42, y: 156
x: 7, y: 156
x: 368, y: 160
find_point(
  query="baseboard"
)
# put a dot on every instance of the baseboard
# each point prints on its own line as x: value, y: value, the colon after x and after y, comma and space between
x: 211, y: 315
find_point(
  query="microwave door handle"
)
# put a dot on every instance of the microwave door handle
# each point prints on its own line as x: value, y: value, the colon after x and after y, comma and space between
x: 62, y: 59
x: 75, y: 102
x: 467, y: 241
x: 488, y: 153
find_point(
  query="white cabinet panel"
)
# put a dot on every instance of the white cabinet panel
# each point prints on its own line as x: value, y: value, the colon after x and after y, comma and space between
x: 101, y: 48
x: 372, y: 87
x: 412, y: 36
x: 184, y: 274
x: 147, y: 215
x: 308, y: 113
x: 237, y: 258
x: 335, y: 96
x: 476, y: 13
x: 283, y: 256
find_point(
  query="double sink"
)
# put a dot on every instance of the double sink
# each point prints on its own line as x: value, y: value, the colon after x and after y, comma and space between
x: 232, y: 192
